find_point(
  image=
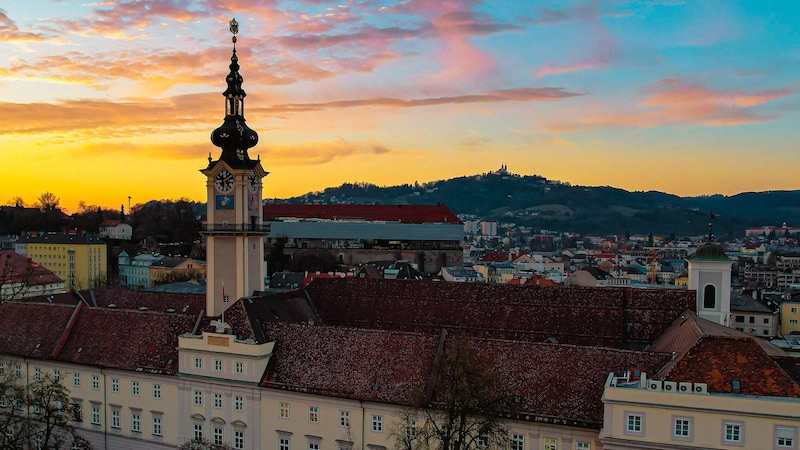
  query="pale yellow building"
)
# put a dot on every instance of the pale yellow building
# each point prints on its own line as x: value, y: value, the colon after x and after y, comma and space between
x: 78, y: 258
x: 790, y: 317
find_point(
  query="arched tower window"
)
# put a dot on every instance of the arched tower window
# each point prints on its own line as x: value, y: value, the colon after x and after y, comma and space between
x: 709, y: 297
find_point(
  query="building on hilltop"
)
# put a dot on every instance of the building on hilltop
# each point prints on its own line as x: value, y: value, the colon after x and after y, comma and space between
x: 116, y: 229
x: 428, y: 236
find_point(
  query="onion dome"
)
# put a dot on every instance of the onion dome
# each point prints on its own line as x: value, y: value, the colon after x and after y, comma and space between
x: 234, y: 137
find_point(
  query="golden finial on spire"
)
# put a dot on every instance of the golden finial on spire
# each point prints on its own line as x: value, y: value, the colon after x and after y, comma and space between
x: 234, y: 27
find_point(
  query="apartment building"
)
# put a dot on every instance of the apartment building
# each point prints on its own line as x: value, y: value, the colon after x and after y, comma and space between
x: 79, y: 258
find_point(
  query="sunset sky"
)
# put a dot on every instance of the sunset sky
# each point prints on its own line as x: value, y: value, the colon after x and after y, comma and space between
x: 102, y: 100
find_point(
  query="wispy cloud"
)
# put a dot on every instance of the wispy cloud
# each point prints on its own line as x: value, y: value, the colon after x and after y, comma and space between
x: 678, y: 102
x: 529, y: 94
x: 10, y: 32
x: 320, y: 152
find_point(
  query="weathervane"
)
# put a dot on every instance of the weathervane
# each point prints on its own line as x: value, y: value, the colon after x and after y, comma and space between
x: 234, y: 27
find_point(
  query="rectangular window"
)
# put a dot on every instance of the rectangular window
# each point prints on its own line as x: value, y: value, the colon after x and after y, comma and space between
x: 238, y: 440
x: 56, y: 375
x: 550, y: 444
x: 238, y: 367
x: 157, y: 391
x: 136, y: 422
x: 344, y: 419
x: 681, y: 427
x: 284, y: 410
x: 583, y: 446
x: 76, y: 379
x: 115, y: 385
x: 793, y: 310
x: 410, y: 426
x: 77, y: 412
x: 283, y: 443
x: 135, y: 388
x: 377, y: 424
x: 2, y: 368
x: 752, y: 319
x: 37, y: 373
x: 95, y: 382
x: 156, y: 426
x: 218, y: 436
x: 238, y: 403
x: 313, y: 414
x: 198, y: 432
x: 198, y: 363
x: 114, y: 418
x: 218, y: 365
x: 198, y: 398
x: 793, y: 321
x: 785, y: 437
x: 732, y: 432
x: 313, y: 445
x: 766, y: 320
x: 95, y: 415
x: 18, y: 371
x: 517, y: 442
x: 217, y: 400
x: 634, y: 423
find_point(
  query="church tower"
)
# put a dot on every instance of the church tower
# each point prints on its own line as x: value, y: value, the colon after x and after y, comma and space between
x: 234, y: 229
x: 710, y: 277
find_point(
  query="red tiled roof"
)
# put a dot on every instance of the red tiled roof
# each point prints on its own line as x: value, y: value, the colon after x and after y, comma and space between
x: 496, y: 257
x: 306, y: 360
x: 125, y: 339
x: 23, y: 334
x: 124, y: 298
x: 561, y: 382
x: 105, y: 337
x: 610, y: 317
x: 15, y: 268
x: 721, y: 360
x: 395, y: 213
x: 110, y: 223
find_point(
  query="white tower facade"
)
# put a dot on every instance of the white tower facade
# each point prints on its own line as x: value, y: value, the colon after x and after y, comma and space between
x: 710, y: 277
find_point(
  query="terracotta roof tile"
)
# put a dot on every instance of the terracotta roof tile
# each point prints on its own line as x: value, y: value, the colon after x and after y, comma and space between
x: 23, y: 332
x: 611, y: 317
x: 721, y: 360
x: 395, y: 363
x: 556, y: 383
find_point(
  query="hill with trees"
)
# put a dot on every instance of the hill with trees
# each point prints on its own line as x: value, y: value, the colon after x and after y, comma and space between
x: 534, y: 201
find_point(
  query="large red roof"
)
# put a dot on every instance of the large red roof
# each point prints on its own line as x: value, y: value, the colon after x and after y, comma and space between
x: 608, y: 317
x: 556, y: 383
x: 416, y: 214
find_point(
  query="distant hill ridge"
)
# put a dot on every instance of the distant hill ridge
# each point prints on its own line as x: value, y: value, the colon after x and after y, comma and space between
x: 532, y: 200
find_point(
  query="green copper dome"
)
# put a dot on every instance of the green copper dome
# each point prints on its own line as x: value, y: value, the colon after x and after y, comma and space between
x: 709, y: 252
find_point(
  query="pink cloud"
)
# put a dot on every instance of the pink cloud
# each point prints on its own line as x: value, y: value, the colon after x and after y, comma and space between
x: 676, y: 102
x: 9, y: 31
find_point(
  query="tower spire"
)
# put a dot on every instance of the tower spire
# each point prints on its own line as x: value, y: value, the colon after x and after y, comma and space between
x: 234, y: 137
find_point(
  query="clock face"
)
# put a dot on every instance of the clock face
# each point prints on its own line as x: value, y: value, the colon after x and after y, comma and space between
x: 224, y: 181
x: 252, y: 181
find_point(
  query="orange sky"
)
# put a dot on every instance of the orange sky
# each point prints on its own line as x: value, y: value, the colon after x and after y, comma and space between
x: 108, y: 100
